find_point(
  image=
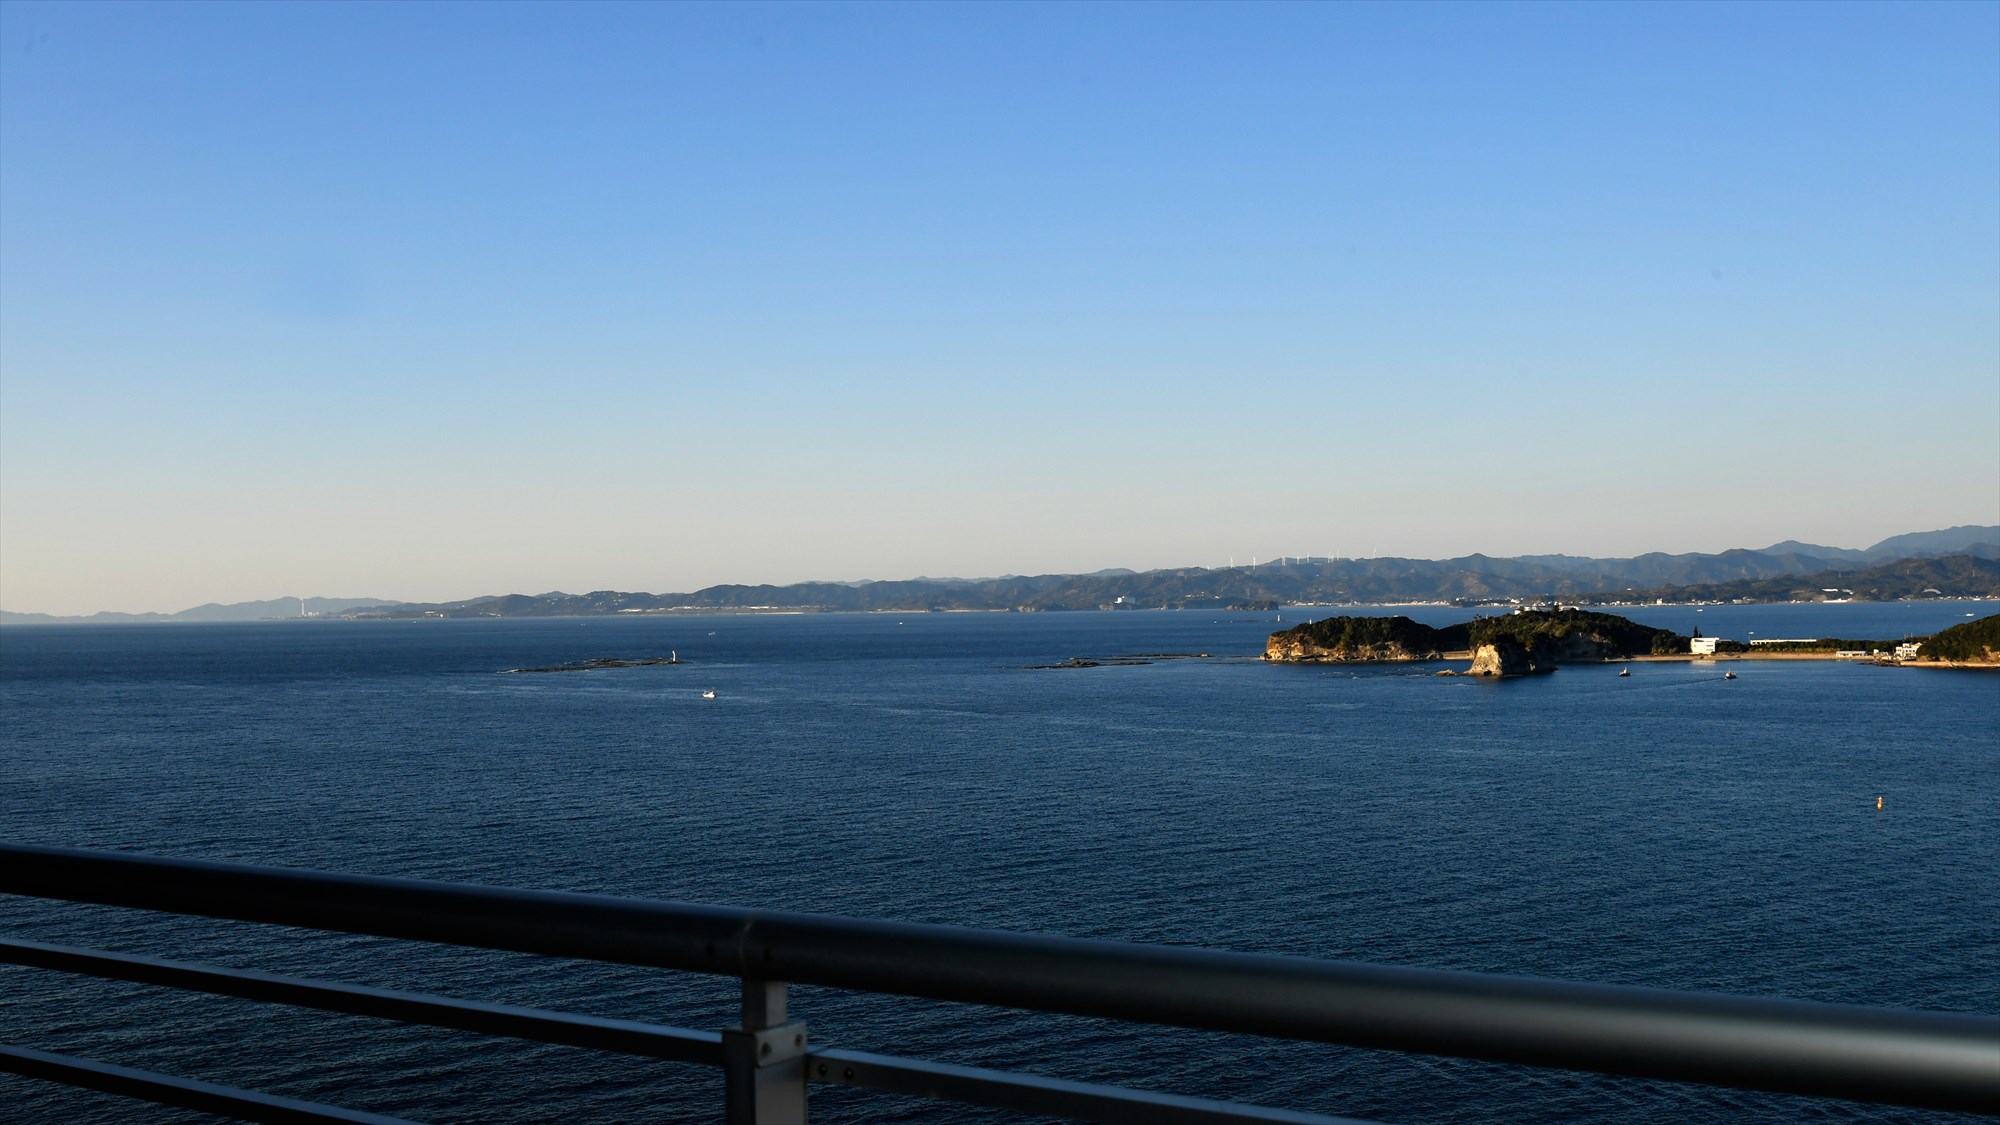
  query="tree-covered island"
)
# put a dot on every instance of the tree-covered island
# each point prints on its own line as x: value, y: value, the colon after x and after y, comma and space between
x: 1537, y: 640
x: 1368, y: 640
x: 1516, y: 644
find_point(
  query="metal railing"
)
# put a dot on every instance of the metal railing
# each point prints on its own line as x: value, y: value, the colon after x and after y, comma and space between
x: 1920, y: 1059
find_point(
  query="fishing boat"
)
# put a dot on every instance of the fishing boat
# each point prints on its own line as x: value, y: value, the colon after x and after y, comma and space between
x: 710, y: 694
x: 1624, y: 671
x: 1729, y: 675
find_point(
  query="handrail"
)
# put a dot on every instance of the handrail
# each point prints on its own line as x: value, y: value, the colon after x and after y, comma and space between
x: 206, y: 1097
x: 974, y: 1085
x: 1925, y: 1059
x: 625, y: 1037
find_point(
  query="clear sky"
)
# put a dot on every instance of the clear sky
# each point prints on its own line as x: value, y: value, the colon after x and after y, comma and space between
x: 434, y: 301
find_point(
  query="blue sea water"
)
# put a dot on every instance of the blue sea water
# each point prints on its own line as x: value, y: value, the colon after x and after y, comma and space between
x: 1669, y: 829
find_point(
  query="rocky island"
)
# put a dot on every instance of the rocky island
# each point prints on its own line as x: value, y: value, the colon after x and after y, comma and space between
x: 1366, y: 640
x: 1518, y: 644
x: 1537, y: 640
x: 598, y: 663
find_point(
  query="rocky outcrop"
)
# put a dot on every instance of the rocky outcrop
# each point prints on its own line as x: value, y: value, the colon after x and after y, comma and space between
x: 1289, y: 648
x: 598, y: 663
x: 1504, y: 656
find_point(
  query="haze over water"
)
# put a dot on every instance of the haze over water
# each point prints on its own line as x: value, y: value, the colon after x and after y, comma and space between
x: 1668, y: 829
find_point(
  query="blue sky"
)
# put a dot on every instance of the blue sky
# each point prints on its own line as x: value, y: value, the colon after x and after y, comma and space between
x: 441, y: 300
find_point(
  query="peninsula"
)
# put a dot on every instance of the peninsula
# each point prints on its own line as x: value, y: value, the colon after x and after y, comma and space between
x: 1975, y: 644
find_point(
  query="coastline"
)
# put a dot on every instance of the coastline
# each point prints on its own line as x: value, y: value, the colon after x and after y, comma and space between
x: 1723, y: 657
x: 1685, y: 658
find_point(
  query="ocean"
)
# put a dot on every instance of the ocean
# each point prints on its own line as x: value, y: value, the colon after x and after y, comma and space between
x: 1669, y: 829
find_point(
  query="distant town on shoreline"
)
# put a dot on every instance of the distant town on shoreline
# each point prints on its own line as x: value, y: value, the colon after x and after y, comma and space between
x: 1955, y: 563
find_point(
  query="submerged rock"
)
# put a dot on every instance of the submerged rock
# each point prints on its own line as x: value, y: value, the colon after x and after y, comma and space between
x: 597, y: 663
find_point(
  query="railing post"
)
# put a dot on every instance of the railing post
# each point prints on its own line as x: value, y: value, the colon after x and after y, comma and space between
x: 763, y: 1061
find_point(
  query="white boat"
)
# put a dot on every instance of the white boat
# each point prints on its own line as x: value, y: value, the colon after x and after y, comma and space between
x: 1624, y: 671
x: 1729, y: 675
x: 708, y: 694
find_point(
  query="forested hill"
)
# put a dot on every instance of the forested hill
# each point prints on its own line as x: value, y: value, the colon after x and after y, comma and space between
x: 1959, y: 576
x: 1958, y: 562
x: 1352, y: 582
x: 1577, y: 631
x: 1975, y: 642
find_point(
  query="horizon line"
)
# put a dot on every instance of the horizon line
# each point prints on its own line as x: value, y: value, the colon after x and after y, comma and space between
x: 1258, y: 563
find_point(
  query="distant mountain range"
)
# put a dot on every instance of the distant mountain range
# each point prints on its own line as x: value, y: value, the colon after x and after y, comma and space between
x: 1952, y: 576
x: 213, y: 611
x: 1961, y: 562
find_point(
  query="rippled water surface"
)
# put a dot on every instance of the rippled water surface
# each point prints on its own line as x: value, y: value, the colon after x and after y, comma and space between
x: 1669, y: 829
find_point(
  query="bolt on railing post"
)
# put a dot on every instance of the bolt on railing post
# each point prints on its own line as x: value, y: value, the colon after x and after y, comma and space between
x: 763, y: 1061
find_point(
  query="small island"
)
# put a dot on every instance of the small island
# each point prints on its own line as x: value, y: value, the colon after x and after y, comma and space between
x: 1367, y: 640
x: 1531, y: 641
x: 1519, y: 644
x: 599, y: 663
